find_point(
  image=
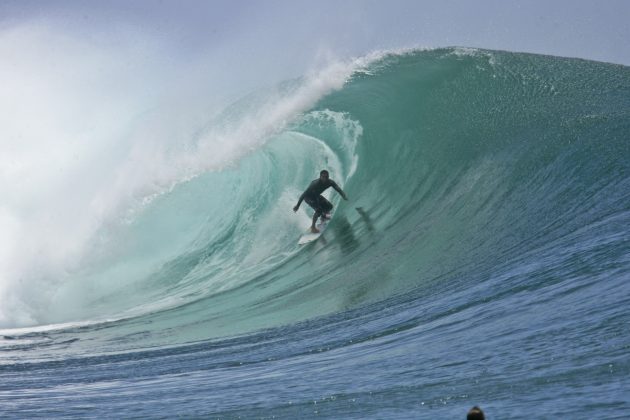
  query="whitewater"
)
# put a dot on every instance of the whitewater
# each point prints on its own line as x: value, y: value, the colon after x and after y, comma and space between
x: 482, y: 258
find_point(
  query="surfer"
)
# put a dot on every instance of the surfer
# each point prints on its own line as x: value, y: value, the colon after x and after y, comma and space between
x: 313, y: 197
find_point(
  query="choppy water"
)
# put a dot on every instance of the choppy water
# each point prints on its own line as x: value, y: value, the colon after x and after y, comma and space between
x: 483, y: 257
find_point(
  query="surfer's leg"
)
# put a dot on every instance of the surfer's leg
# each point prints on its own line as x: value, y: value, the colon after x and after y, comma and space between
x: 318, y: 213
x: 315, y: 216
x: 325, y: 207
x: 315, y: 206
x: 314, y: 203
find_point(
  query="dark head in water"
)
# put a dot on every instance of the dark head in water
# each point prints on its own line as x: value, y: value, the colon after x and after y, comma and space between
x: 475, y: 413
x: 323, y: 175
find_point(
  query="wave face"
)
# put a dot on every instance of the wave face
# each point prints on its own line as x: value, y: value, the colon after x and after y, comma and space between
x: 482, y: 257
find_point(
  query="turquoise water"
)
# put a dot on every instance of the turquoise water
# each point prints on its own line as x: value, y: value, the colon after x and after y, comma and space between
x: 483, y: 257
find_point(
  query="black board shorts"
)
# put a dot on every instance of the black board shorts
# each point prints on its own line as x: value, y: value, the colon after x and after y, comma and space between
x: 319, y: 204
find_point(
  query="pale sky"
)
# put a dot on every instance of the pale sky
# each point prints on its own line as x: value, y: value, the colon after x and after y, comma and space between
x: 598, y: 30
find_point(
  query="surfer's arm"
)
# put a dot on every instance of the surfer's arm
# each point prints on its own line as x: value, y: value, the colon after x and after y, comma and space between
x: 308, y: 191
x: 339, y: 190
x: 297, y: 206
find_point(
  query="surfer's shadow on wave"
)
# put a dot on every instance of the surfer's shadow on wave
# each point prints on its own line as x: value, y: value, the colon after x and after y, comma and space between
x: 349, y: 242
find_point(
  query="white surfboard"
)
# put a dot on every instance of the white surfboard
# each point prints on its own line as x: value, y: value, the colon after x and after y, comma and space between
x: 310, y: 236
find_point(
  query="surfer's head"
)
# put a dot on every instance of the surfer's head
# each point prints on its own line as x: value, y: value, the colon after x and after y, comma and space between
x: 323, y: 175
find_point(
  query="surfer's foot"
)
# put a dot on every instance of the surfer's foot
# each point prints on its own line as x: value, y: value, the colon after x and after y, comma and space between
x: 314, y: 229
x: 325, y: 217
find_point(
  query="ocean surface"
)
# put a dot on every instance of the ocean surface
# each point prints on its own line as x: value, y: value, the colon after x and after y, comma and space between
x: 483, y: 257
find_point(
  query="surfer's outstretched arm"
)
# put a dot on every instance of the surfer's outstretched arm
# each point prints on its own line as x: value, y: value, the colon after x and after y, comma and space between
x: 297, y: 206
x: 339, y: 190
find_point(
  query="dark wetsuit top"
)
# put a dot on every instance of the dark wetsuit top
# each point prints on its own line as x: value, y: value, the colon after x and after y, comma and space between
x: 317, y: 187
